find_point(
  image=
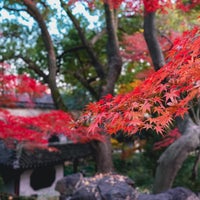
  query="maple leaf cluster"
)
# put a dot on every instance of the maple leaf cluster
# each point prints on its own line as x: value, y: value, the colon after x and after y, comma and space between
x: 12, y: 127
x: 167, y: 139
x: 139, y: 5
x: 164, y: 95
x: 135, y: 47
x: 161, y: 5
x: 34, y: 129
x: 39, y: 129
x: 188, y: 5
x: 152, y: 6
x: 58, y: 122
x: 114, y: 4
x: 12, y: 86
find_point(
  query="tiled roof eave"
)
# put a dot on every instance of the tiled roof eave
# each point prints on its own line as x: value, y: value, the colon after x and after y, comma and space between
x: 41, y: 158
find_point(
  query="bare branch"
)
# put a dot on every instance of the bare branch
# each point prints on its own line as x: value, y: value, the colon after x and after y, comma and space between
x: 113, y: 55
x: 91, y: 53
x: 168, y: 40
x: 73, y: 49
x: 34, y: 67
x: 97, y: 36
x: 14, y: 9
x: 86, y: 84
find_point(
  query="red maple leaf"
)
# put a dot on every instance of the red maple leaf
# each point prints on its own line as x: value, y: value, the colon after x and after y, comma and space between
x: 164, y: 94
x: 167, y: 139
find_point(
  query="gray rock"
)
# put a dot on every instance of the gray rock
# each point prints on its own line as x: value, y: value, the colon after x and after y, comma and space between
x: 84, y: 193
x: 117, y: 188
x: 113, y: 187
x: 178, y: 193
x: 68, y: 185
x: 155, y: 197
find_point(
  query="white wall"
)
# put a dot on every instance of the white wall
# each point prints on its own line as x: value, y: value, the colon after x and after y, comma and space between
x: 26, y: 190
x: 26, y: 112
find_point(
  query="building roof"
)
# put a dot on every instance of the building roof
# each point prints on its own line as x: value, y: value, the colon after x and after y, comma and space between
x: 24, y: 101
x: 34, y: 158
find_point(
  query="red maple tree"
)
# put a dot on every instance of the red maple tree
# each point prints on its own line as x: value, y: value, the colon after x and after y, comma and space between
x: 135, y: 47
x: 39, y: 129
x: 35, y: 129
x: 167, y: 93
x: 151, y: 105
x: 139, y: 5
x: 12, y: 86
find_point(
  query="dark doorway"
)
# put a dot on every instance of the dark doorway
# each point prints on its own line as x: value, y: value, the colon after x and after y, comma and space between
x: 42, y: 177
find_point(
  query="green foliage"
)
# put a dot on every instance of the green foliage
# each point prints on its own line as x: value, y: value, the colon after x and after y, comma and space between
x: 5, y: 196
x: 141, y: 167
x: 1, y: 182
x: 135, y: 168
x: 85, y: 166
x: 77, y: 99
x: 177, y: 20
x: 131, y: 70
x: 184, y: 176
x: 130, y: 25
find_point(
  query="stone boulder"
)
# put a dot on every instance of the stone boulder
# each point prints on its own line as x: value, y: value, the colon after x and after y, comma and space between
x: 178, y: 193
x: 99, y: 187
x: 112, y: 187
x: 69, y: 184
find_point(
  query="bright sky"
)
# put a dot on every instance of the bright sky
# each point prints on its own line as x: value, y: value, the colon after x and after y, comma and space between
x: 28, y: 21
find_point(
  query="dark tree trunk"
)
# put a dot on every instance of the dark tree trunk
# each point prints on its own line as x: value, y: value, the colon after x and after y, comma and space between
x: 108, y: 78
x: 152, y: 41
x: 51, y: 56
x: 173, y: 157
x: 113, y: 54
x: 104, y: 155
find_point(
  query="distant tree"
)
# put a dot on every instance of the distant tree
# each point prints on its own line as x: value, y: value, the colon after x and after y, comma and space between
x: 32, y: 131
x: 12, y: 86
x: 98, y: 80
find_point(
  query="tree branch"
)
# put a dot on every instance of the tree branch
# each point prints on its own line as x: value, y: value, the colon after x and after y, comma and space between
x: 77, y: 48
x: 168, y: 40
x: 113, y: 54
x: 98, y: 36
x: 173, y: 157
x: 73, y: 49
x: 51, y: 56
x: 33, y: 66
x: 94, y: 59
x: 34, y: 12
x: 152, y: 41
x: 86, y: 84
x: 14, y: 9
